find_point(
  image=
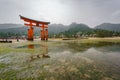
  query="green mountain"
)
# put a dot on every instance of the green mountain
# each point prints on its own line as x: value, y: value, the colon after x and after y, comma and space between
x: 105, y: 29
x: 57, y: 28
x: 109, y: 26
x: 78, y: 27
x: 18, y: 28
x: 9, y: 25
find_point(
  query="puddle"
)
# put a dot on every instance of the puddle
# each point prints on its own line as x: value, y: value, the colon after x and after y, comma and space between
x: 30, y: 46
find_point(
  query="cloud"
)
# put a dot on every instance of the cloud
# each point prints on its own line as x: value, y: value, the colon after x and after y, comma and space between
x: 91, y: 12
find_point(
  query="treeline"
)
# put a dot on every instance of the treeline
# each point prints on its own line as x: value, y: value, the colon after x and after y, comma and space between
x: 67, y: 34
x: 87, y: 33
x: 15, y: 34
x: 106, y: 33
x: 73, y: 30
x: 9, y: 34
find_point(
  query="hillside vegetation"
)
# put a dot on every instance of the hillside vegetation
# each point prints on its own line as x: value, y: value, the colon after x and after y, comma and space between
x: 60, y: 30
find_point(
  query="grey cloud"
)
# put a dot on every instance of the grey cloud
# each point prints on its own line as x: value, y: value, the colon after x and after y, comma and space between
x: 91, y: 12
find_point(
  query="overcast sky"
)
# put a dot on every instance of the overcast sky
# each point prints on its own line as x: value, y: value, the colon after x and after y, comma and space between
x: 90, y: 12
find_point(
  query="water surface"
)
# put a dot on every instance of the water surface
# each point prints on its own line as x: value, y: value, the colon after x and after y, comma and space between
x: 57, y: 60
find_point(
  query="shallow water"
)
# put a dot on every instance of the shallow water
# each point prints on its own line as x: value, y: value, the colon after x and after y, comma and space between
x: 61, y: 61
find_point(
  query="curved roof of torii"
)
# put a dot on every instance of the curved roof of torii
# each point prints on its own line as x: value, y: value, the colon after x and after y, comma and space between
x: 34, y: 21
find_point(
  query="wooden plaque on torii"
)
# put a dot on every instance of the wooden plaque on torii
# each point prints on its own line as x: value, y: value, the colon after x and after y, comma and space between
x: 35, y: 23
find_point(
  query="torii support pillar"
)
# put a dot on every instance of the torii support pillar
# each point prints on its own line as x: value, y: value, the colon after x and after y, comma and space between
x: 30, y: 34
x: 44, y: 32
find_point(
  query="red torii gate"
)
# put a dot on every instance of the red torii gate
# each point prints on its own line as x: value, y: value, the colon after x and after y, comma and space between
x: 32, y: 23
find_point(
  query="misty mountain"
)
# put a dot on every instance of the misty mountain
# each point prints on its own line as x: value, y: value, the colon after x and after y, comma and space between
x: 9, y: 25
x: 75, y: 28
x: 53, y: 28
x: 18, y: 28
x: 109, y: 26
x: 78, y: 27
x: 57, y: 28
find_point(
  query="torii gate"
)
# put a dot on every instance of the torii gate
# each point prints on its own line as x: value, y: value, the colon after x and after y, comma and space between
x: 34, y: 23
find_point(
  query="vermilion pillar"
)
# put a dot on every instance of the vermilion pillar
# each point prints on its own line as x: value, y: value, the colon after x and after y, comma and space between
x: 30, y: 34
x: 46, y: 34
x: 43, y: 32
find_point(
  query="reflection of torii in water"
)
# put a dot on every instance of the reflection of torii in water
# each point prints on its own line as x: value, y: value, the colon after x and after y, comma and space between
x: 31, y: 23
x: 43, y: 55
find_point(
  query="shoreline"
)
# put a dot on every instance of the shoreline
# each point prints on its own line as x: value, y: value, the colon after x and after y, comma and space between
x: 80, y: 40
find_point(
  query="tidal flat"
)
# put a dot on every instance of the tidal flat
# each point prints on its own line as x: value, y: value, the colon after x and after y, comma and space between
x: 55, y: 59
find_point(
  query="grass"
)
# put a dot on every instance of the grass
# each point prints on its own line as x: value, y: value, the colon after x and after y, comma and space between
x: 14, y: 47
x: 71, y: 69
x: 96, y: 40
x: 3, y: 65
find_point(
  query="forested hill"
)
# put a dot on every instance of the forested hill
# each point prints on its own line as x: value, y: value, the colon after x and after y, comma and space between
x: 53, y: 28
x: 78, y: 27
x: 57, y: 28
x: 109, y: 26
x: 10, y: 25
x: 18, y: 28
x: 105, y: 29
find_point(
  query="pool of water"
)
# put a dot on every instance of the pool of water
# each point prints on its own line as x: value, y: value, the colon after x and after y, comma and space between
x: 62, y: 61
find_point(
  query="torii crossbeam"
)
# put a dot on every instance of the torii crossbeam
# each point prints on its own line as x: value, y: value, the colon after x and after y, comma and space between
x: 35, y: 23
